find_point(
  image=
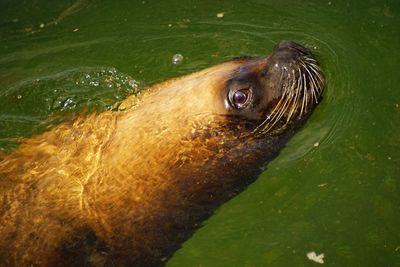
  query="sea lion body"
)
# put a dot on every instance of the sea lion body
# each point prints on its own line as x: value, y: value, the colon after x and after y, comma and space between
x: 127, y: 188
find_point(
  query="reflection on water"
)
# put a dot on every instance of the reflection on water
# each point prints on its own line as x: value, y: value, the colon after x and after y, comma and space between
x: 30, y: 106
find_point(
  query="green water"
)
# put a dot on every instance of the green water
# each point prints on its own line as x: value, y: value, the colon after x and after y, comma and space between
x: 335, y: 188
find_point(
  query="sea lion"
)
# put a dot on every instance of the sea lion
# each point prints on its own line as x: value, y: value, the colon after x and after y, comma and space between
x: 127, y: 188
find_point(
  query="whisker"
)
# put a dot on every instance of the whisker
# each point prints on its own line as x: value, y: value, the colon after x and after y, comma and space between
x: 278, y: 115
x: 277, y: 107
x: 313, y: 92
x: 311, y: 75
x: 302, y: 87
x: 296, y: 92
x: 302, y: 103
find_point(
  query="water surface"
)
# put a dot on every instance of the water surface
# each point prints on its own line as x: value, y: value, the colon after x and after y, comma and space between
x: 335, y: 188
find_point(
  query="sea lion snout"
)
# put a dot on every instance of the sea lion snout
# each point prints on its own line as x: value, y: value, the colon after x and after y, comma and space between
x: 289, y: 54
x: 293, y: 84
x: 293, y: 45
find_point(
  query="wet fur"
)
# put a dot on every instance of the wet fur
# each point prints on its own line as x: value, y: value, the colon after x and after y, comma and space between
x: 127, y: 188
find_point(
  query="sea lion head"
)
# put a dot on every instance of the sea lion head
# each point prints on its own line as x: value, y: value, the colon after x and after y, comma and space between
x: 274, y: 92
x: 248, y: 96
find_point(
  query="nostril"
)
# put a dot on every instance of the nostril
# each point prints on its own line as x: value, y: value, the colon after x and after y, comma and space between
x: 293, y: 45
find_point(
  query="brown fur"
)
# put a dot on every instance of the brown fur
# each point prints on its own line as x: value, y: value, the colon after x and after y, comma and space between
x: 127, y: 188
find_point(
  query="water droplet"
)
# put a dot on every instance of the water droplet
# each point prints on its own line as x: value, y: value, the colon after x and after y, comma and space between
x: 19, y: 96
x: 177, y: 59
x: 133, y: 84
x: 69, y: 103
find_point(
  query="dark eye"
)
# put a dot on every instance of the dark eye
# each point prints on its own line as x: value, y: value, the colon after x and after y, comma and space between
x: 240, y: 98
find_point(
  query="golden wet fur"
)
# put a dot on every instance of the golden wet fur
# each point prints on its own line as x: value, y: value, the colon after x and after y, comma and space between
x: 127, y: 188
x: 99, y: 168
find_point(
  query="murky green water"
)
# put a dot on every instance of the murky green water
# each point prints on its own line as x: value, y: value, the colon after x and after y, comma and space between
x: 335, y: 188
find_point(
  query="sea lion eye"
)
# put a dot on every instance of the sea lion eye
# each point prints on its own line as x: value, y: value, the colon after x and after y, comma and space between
x: 240, y: 98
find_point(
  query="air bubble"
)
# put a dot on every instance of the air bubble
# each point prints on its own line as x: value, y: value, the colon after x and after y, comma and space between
x: 177, y: 59
x: 134, y: 85
x: 69, y: 103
